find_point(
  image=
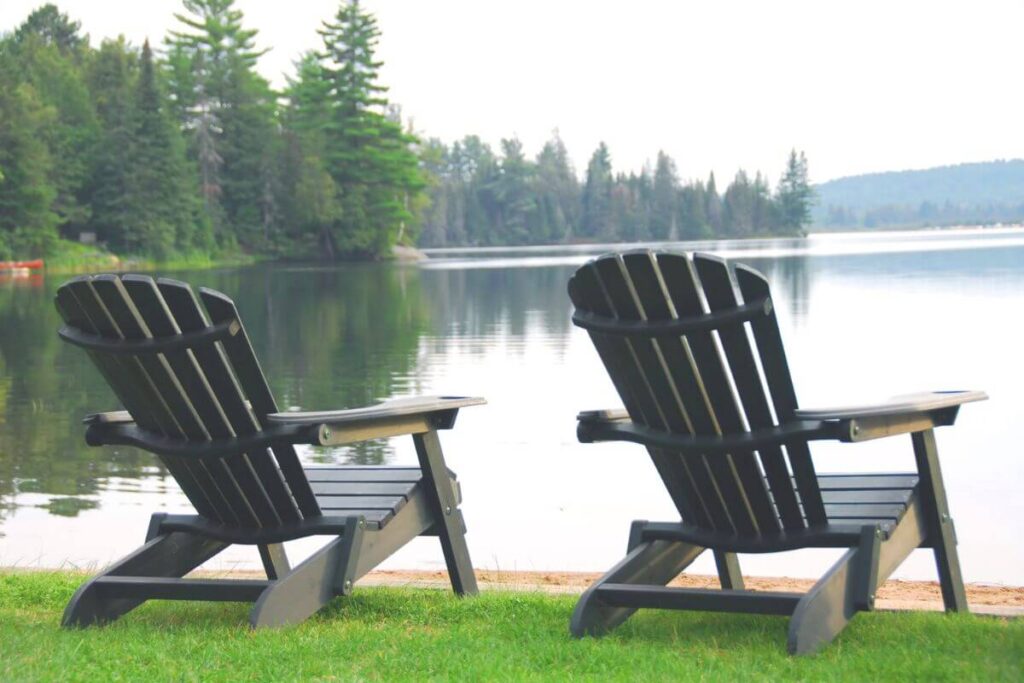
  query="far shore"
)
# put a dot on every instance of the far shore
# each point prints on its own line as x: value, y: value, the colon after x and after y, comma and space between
x: 77, y: 258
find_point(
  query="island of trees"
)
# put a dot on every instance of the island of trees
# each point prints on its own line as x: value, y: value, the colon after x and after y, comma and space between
x: 183, y: 149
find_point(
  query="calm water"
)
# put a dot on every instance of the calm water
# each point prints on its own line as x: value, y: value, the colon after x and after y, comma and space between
x: 864, y: 317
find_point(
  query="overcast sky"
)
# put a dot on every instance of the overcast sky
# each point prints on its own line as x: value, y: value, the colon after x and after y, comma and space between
x: 860, y: 86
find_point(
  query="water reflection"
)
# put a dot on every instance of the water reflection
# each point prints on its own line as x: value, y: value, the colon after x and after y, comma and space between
x: 334, y: 338
x: 862, y: 317
x: 44, y: 392
x: 476, y: 306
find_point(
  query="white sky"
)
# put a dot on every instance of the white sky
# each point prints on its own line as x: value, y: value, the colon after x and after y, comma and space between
x: 860, y: 86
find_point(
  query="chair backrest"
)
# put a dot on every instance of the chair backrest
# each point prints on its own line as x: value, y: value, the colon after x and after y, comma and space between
x: 702, y: 376
x: 198, y: 381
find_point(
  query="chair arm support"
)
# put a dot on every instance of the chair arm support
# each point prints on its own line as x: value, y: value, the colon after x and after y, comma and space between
x: 592, y: 430
x: 130, y: 434
x: 325, y: 428
x: 899, y: 415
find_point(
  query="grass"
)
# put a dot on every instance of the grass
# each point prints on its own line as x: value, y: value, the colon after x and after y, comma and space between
x: 415, y: 634
x: 72, y: 257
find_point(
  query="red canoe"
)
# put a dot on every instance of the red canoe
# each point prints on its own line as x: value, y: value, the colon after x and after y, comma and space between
x: 31, y: 265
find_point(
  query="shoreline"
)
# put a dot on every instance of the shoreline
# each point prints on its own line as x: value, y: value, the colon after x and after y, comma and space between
x: 892, y: 595
x: 895, y: 594
x: 74, y: 258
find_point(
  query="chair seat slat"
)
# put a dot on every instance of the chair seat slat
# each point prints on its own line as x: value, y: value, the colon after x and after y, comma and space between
x: 362, y: 488
x: 350, y: 474
x: 858, y: 482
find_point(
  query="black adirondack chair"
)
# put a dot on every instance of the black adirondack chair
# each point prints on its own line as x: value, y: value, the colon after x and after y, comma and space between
x: 196, y: 397
x: 719, y: 418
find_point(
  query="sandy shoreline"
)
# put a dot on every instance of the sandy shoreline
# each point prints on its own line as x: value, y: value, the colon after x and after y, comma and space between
x: 892, y: 595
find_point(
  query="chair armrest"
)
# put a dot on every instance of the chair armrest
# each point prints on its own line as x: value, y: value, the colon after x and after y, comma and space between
x: 323, y: 428
x: 922, y: 402
x: 394, y: 417
x: 114, y: 417
x: 592, y: 429
x: 898, y: 415
x: 610, y: 414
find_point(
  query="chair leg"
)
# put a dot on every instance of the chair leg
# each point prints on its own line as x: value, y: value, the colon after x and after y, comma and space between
x: 652, y: 563
x: 833, y: 601
x: 304, y: 590
x: 826, y: 609
x: 275, y: 560
x: 729, y: 573
x: 163, y: 556
x: 941, y: 533
x: 450, y: 525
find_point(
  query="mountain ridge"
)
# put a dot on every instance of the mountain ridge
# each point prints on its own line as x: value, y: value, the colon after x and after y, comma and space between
x: 981, y: 192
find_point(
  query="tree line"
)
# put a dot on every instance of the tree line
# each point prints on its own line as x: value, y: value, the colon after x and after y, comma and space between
x: 482, y: 198
x: 184, y: 148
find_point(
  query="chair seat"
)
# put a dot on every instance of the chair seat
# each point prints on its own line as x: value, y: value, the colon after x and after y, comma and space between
x: 859, y: 499
x: 377, y: 493
x: 851, y: 502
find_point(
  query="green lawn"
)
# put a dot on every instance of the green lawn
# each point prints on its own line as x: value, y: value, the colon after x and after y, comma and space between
x: 415, y: 634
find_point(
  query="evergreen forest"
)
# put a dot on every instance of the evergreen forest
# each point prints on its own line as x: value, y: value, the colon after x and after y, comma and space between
x: 182, y: 149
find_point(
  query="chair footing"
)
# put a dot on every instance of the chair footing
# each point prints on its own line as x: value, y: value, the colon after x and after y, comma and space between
x: 289, y: 595
x: 817, y: 617
x: 658, y: 597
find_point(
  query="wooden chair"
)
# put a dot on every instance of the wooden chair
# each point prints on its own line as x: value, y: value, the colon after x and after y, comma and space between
x: 719, y: 418
x: 196, y: 397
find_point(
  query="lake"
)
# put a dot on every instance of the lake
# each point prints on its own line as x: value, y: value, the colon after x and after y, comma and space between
x: 863, y: 317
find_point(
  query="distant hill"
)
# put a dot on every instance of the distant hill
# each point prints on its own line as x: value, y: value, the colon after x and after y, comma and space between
x: 986, y: 192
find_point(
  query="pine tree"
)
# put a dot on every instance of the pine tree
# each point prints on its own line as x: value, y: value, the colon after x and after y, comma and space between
x: 248, y: 132
x: 738, y: 207
x: 795, y: 195
x: 49, y: 52
x: 27, y: 221
x: 161, y: 210
x: 558, y: 193
x: 436, y: 163
x: 308, y: 196
x: 693, y: 208
x: 112, y: 77
x: 476, y: 167
x: 597, y: 195
x: 229, y: 110
x: 664, y: 200
x: 765, y: 214
x: 368, y: 155
x: 713, y: 206
x: 54, y: 28
x: 516, y: 202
